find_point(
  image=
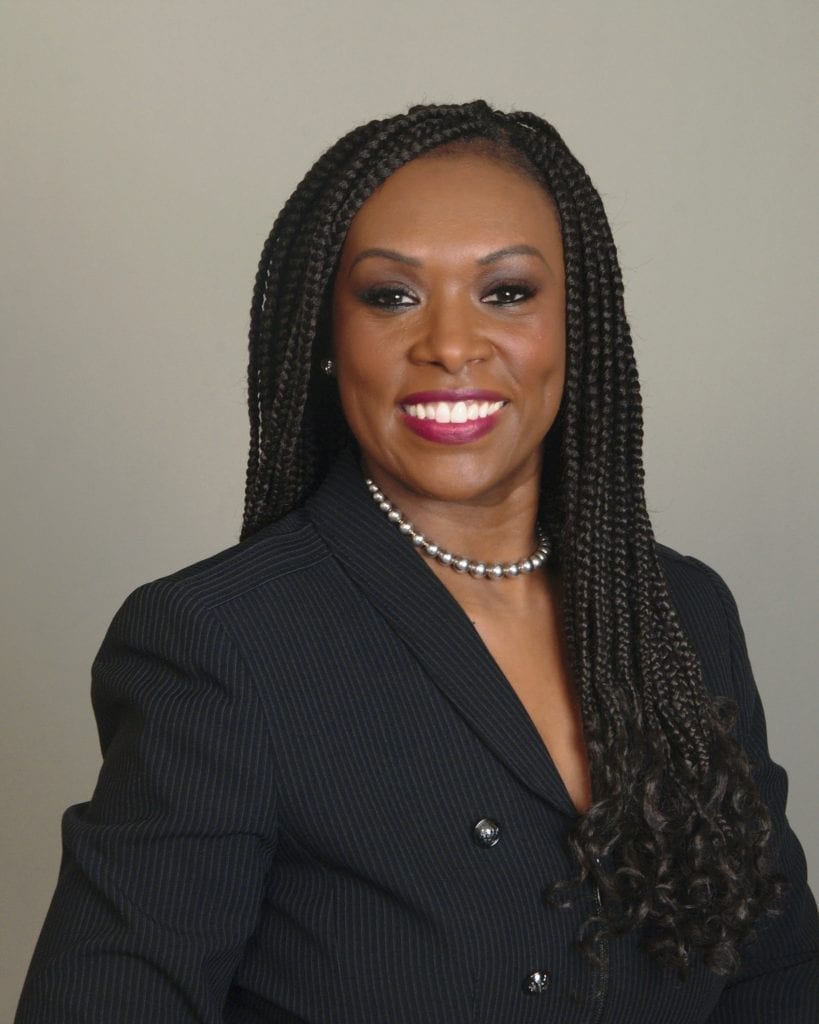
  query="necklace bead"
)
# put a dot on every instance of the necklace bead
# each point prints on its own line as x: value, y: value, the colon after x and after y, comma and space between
x: 476, y: 569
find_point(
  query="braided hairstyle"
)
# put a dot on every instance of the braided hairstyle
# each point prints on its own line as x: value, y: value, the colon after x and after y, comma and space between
x: 676, y: 838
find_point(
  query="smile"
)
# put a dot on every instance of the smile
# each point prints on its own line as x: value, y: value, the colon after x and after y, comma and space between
x: 452, y: 412
x: 451, y: 417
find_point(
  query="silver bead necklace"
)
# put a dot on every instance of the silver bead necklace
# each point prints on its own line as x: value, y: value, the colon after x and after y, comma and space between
x: 480, y: 570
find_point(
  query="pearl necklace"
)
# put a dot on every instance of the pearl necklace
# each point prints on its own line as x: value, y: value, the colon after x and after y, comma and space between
x: 480, y: 570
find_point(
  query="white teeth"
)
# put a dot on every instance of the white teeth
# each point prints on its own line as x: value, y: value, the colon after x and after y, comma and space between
x: 453, y: 412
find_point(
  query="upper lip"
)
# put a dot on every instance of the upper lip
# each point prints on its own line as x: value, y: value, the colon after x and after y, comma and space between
x: 448, y: 395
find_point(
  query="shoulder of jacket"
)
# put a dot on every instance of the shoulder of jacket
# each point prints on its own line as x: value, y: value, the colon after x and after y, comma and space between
x: 708, y: 613
x: 687, y: 575
x: 290, y: 545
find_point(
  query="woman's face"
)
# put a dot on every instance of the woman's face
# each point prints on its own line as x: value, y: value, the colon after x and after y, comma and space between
x: 448, y: 329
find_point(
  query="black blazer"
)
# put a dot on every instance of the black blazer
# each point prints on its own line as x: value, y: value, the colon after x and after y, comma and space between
x: 302, y: 735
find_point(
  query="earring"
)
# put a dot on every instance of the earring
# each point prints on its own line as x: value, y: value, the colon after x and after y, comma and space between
x: 329, y: 367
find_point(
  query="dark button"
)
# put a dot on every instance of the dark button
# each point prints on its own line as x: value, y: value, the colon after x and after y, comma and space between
x: 486, y: 832
x: 537, y: 982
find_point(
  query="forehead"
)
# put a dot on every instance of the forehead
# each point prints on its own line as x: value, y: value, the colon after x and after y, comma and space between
x: 446, y: 196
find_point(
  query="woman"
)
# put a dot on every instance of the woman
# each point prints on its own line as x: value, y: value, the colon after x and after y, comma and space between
x: 447, y: 736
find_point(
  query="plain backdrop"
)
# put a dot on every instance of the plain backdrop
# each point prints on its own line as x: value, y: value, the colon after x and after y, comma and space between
x: 145, y: 150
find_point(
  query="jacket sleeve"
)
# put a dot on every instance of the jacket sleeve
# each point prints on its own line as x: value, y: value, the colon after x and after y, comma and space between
x: 163, y: 870
x: 779, y: 979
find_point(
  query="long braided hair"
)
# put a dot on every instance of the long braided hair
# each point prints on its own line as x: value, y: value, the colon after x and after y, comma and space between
x: 677, y: 837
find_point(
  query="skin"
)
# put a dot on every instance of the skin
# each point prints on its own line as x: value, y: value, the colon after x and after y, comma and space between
x: 445, y: 311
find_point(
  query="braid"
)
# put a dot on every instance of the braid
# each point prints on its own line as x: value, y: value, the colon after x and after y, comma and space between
x: 671, y: 851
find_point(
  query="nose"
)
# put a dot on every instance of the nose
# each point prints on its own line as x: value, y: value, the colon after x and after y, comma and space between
x: 450, y: 335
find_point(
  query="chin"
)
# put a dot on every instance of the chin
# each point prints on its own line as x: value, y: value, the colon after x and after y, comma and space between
x: 459, y: 479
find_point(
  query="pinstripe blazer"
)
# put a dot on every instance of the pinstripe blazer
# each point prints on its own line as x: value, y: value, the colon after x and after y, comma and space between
x: 300, y: 735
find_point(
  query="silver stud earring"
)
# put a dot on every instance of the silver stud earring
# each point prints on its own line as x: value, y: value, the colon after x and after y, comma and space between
x: 329, y: 367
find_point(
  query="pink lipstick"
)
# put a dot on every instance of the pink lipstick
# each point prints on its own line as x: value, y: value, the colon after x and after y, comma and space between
x: 452, y: 417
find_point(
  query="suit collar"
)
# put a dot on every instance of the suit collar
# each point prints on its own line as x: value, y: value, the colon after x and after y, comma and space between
x: 421, y: 610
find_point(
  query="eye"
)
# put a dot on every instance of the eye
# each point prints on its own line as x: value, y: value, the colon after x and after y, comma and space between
x: 388, y: 297
x: 508, y: 294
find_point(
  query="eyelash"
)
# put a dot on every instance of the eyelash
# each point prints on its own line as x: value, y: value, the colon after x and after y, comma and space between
x: 524, y: 290
x: 378, y: 297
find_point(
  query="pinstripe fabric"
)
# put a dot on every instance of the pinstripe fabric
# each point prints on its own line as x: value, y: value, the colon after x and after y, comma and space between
x: 300, y: 734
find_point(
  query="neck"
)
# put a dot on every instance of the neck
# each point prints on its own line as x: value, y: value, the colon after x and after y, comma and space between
x: 492, y: 539
x: 503, y: 533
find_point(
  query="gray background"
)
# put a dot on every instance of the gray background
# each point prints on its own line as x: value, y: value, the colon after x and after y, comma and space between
x: 145, y: 150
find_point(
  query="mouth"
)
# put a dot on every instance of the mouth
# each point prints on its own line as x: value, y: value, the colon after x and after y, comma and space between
x: 466, y: 405
x: 451, y: 417
x: 452, y: 412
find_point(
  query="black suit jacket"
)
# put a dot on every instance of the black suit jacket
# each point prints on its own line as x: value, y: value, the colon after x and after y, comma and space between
x: 300, y: 735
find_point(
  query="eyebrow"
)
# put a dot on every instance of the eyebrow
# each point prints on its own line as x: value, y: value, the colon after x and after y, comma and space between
x: 512, y: 250
x: 386, y: 254
x: 412, y: 261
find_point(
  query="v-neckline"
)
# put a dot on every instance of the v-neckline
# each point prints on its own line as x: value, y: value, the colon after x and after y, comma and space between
x: 431, y: 622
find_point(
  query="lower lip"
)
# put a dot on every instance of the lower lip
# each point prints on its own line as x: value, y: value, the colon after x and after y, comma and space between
x: 451, y: 433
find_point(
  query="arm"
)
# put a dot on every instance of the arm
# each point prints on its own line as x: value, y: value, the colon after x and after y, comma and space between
x: 163, y: 870
x: 779, y: 980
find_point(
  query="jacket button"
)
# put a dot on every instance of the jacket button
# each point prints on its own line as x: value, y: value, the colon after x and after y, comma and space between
x: 486, y: 832
x: 537, y: 982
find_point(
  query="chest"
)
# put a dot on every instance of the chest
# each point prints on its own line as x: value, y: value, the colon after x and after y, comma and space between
x: 531, y: 655
x: 386, y: 761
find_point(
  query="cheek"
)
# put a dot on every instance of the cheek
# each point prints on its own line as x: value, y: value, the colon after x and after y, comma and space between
x: 554, y: 345
x: 368, y: 352
x: 558, y: 367
x: 541, y: 373
x: 542, y: 360
x: 350, y: 346
x: 364, y: 377
x: 364, y: 371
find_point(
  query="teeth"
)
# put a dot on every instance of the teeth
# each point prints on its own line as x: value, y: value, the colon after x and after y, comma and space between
x: 453, y: 412
x: 443, y: 413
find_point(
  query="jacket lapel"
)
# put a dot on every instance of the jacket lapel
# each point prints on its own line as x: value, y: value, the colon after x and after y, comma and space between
x: 432, y: 624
